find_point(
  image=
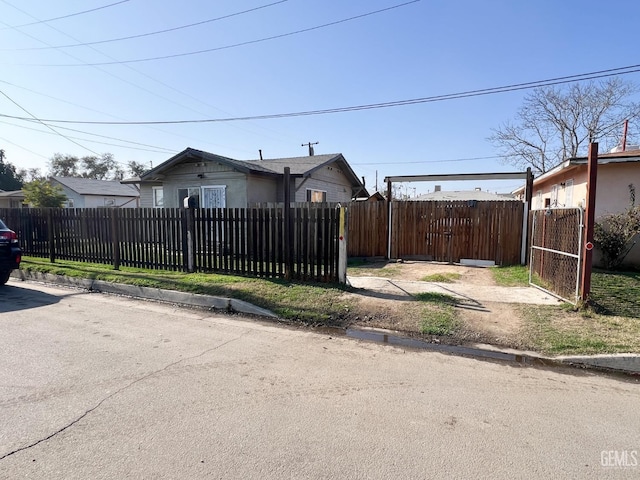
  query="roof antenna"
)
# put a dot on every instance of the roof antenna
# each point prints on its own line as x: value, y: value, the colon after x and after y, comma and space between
x: 310, y: 145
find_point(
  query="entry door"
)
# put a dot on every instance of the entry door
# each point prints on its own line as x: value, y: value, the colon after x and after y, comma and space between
x: 213, y: 197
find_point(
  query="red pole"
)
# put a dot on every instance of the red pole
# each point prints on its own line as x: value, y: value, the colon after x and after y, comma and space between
x: 592, y: 175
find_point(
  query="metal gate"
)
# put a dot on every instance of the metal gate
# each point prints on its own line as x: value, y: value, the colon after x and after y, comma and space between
x: 556, y: 253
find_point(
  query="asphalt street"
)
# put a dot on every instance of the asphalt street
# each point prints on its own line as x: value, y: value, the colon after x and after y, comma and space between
x: 98, y: 386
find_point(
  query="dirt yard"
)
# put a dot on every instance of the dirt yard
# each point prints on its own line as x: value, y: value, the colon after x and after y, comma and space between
x: 491, y: 322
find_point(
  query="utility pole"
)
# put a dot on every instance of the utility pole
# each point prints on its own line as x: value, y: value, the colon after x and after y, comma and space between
x: 310, y: 145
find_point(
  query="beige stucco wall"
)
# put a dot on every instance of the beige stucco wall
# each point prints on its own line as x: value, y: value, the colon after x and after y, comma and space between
x: 612, y: 192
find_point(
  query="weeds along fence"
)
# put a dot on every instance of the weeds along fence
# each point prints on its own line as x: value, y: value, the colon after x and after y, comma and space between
x: 253, y: 241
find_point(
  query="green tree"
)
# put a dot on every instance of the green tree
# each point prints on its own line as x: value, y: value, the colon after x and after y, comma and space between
x: 557, y: 123
x: 40, y: 193
x: 136, y: 169
x: 10, y: 178
x: 102, y: 167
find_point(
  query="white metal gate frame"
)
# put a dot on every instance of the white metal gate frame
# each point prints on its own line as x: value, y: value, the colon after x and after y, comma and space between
x: 573, y: 255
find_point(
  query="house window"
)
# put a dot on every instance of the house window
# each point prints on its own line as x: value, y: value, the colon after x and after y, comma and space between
x: 554, y: 195
x: 547, y: 202
x: 316, y: 196
x: 568, y: 193
x: 69, y: 203
x: 158, y: 197
x: 188, y: 192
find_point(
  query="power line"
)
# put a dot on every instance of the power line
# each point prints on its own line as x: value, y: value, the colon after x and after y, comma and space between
x: 43, y: 123
x: 207, y: 50
x: 23, y: 148
x: 130, y: 67
x: 148, y: 34
x: 151, y: 148
x: 612, y: 72
x: 64, y: 16
x: 434, y: 161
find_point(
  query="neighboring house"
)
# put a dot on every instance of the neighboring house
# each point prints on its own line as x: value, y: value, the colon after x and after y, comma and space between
x: 12, y: 199
x: 566, y: 185
x: 464, y: 195
x: 90, y: 193
x: 217, y: 181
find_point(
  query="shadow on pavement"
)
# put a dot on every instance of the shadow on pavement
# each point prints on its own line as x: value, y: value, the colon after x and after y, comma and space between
x: 14, y: 298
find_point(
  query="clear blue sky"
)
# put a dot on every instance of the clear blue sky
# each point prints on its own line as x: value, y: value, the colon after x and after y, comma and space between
x: 418, y: 50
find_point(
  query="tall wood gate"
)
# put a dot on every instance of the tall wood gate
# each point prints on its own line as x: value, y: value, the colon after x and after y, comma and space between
x: 443, y: 231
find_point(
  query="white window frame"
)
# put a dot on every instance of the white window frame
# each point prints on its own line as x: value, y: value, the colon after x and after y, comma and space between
x: 568, y: 193
x: 154, y: 197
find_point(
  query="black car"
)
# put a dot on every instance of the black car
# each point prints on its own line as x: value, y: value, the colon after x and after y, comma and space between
x: 10, y: 253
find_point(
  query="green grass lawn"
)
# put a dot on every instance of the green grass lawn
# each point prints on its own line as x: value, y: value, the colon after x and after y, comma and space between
x: 616, y: 293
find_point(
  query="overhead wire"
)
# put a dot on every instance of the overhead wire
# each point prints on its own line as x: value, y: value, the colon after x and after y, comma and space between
x: 140, y: 72
x: 63, y: 16
x: 148, y: 34
x: 45, y: 124
x: 435, y: 98
x: 226, y: 47
x: 140, y: 146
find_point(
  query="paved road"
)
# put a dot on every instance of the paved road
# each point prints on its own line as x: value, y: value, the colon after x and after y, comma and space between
x: 93, y: 386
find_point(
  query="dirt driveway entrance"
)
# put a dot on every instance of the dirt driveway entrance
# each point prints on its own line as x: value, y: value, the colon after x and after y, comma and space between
x: 489, y: 313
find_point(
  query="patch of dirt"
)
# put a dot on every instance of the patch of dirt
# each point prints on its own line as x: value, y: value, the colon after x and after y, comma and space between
x: 491, y: 322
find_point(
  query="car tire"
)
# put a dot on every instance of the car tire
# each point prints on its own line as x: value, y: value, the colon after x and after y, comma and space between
x: 4, y: 277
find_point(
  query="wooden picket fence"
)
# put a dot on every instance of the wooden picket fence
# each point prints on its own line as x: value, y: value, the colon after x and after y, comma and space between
x: 254, y: 242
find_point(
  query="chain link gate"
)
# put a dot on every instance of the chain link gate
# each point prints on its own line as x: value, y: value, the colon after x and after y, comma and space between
x: 556, y: 252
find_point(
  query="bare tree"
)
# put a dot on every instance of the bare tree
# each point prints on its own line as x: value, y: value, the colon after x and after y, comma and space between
x: 555, y: 123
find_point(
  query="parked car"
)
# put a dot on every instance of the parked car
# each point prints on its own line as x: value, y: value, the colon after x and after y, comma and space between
x: 10, y: 253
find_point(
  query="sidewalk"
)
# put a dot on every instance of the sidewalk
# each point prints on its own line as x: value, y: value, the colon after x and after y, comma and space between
x: 472, y: 293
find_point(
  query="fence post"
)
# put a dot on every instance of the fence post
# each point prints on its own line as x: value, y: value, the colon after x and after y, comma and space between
x: 191, y: 233
x: 115, y: 238
x: 342, y: 246
x: 589, y: 224
x: 52, y: 250
x: 287, y: 224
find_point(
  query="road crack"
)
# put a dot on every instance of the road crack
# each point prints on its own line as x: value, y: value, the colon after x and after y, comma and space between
x: 117, y: 392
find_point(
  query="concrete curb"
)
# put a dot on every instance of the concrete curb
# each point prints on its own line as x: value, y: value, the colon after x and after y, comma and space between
x: 628, y: 364
x: 157, y: 294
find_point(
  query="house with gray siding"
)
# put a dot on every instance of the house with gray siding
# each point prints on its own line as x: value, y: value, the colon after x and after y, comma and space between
x: 214, y: 181
x: 90, y: 193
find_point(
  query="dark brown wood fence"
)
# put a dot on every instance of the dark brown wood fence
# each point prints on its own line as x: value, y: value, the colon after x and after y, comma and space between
x: 441, y: 231
x: 238, y: 241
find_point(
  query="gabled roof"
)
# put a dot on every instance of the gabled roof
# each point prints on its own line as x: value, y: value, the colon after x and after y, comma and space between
x: 299, y: 166
x: 89, y: 186
x: 12, y: 194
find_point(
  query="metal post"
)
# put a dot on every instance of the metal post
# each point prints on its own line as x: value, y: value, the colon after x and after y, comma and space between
x: 342, y: 246
x: 389, y: 232
x: 589, y: 223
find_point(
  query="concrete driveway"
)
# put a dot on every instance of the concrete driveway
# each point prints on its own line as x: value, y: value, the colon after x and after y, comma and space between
x: 96, y: 386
